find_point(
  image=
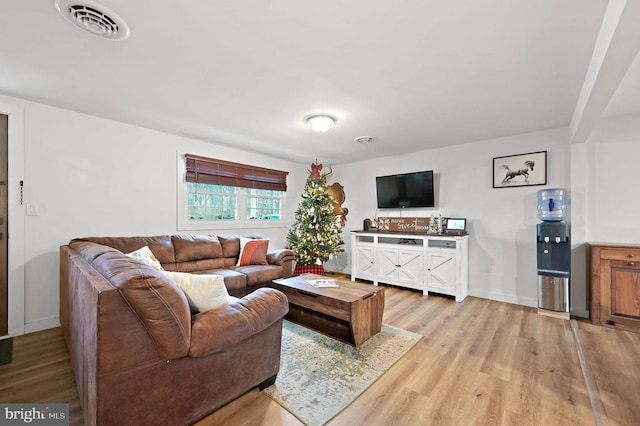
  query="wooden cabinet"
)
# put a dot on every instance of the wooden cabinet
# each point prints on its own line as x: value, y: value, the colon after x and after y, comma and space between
x: 430, y: 263
x: 615, y: 286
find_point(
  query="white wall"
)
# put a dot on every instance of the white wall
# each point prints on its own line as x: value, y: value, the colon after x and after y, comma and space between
x: 604, y: 197
x: 613, y: 205
x: 89, y: 176
x: 501, y: 222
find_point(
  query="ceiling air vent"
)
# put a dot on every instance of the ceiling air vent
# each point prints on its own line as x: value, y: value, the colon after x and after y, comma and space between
x: 364, y: 140
x: 93, y: 17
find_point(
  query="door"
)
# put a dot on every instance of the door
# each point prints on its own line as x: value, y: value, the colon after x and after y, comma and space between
x: 441, y: 271
x: 620, y: 297
x: 410, y: 268
x: 4, y: 278
x: 364, y: 262
x: 387, y: 268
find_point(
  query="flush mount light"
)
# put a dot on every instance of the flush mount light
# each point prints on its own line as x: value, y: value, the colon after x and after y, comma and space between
x: 94, y: 18
x: 320, y: 122
x: 364, y: 139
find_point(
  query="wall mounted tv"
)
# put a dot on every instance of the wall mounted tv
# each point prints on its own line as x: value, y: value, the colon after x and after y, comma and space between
x: 405, y: 190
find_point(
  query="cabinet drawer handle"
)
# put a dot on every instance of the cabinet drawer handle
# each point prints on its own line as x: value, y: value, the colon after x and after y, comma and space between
x: 630, y: 256
x: 631, y: 263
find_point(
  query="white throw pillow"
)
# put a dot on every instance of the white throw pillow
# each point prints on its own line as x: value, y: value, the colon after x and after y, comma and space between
x: 206, y: 292
x: 146, y: 255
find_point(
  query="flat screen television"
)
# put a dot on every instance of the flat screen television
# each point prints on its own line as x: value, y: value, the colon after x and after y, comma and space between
x: 405, y: 190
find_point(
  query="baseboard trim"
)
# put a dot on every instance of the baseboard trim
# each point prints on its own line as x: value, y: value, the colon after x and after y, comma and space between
x: 501, y: 297
x: 42, y: 324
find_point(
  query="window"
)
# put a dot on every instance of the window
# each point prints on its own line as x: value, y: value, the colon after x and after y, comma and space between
x: 211, y: 202
x: 225, y: 192
x: 263, y: 204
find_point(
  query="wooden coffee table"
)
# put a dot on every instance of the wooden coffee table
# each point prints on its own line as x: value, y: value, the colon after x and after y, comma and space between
x: 351, y: 312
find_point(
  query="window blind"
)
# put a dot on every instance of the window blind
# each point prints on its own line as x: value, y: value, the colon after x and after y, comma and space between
x: 220, y: 172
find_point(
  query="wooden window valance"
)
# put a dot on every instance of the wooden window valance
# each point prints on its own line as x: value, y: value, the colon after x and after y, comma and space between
x: 220, y: 172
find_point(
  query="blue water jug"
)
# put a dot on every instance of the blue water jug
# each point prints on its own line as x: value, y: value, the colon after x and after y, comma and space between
x: 552, y: 205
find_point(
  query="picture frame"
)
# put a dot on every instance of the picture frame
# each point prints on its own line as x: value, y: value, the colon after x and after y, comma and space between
x: 513, y: 171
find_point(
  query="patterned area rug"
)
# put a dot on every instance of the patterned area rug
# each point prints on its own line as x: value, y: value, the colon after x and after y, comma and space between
x: 320, y: 376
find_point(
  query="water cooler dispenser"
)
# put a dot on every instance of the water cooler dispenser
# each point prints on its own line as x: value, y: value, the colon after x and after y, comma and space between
x: 554, y: 251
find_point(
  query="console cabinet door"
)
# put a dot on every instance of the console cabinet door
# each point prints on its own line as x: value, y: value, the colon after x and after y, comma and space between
x: 387, y: 268
x: 620, y: 296
x: 401, y: 266
x: 441, y: 271
x: 615, y: 287
x: 411, y: 269
x: 364, y: 261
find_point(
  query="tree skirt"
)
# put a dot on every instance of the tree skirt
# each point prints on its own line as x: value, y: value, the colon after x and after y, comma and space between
x: 308, y: 269
x: 320, y: 376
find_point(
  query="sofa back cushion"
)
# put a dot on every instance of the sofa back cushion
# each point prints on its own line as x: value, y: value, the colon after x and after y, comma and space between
x: 196, y: 253
x: 161, y: 246
x: 160, y: 305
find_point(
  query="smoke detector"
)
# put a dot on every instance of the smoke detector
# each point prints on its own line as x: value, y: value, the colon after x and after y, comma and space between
x: 364, y: 139
x: 94, y: 18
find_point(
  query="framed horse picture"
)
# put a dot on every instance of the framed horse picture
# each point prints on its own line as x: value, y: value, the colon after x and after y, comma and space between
x: 520, y: 170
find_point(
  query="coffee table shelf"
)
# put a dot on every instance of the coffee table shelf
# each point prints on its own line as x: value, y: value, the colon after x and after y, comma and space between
x: 351, y: 312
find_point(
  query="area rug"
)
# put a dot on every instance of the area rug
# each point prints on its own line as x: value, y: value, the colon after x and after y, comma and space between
x: 320, y: 376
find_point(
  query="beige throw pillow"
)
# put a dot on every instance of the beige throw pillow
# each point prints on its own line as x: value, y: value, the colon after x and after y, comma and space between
x: 146, y: 255
x: 205, y: 292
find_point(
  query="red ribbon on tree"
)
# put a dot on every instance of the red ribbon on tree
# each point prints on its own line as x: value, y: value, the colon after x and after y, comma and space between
x: 315, y: 170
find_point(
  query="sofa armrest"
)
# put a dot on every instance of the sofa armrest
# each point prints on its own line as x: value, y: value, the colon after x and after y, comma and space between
x: 280, y: 257
x: 220, y: 328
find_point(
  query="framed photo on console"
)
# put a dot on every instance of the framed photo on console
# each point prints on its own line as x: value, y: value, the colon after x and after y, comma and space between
x: 456, y: 226
x: 520, y: 170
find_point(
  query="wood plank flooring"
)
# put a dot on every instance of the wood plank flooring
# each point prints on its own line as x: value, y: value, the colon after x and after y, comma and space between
x: 481, y: 363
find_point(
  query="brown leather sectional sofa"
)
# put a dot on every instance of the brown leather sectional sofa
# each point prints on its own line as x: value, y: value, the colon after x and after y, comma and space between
x: 139, y: 356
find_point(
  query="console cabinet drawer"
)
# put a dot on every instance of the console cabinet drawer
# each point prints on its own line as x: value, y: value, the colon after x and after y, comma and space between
x: 620, y: 254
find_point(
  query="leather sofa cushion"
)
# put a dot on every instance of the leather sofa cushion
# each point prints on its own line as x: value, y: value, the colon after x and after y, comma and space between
x: 195, y: 266
x: 160, y: 305
x: 196, y: 247
x: 235, y: 281
x: 161, y: 245
x: 221, y: 328
x: 230, y: 247
x: 260, y: 273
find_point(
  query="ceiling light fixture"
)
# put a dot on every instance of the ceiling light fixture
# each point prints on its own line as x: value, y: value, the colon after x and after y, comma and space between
x: 320, y: 122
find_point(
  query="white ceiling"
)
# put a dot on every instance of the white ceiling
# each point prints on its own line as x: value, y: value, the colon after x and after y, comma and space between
x: 414, y: 74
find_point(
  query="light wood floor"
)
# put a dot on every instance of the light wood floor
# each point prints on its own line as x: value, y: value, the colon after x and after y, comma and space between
x: 480, y: 362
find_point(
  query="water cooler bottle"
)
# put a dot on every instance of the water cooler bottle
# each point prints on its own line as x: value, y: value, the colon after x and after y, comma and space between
x: 554, y: 251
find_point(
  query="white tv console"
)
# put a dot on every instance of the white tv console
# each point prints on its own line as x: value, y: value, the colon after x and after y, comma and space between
x: 431, y: 263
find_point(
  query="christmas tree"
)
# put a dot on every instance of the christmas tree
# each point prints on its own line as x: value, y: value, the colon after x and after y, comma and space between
x: 315, y: 236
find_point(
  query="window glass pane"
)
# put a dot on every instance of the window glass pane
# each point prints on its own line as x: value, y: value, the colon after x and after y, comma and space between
x: 263, y: 204
x: 211, y: 202
x: 263, y: 192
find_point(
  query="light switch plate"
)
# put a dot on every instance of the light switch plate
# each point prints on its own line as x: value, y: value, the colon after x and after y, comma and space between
x: 32, y: 209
